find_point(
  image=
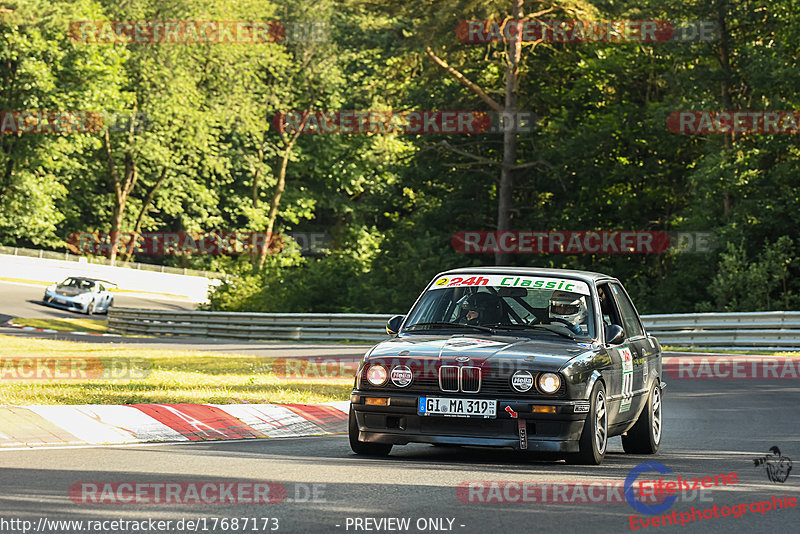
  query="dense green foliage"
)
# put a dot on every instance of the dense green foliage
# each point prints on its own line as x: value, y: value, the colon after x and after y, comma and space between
x: 209, y: 157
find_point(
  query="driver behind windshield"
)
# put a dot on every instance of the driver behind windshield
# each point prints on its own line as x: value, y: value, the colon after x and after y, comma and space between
x: 568, y: 309
x: 481, y: 309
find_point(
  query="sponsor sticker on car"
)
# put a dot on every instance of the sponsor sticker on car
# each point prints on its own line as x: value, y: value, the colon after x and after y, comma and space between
x: 401, y: 376
x: 452, y: 407
x: 499, y: 280
x: 627, y: 379
x: 522, y: 381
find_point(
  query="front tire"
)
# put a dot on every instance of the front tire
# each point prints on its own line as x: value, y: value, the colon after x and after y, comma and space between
x: 90, y: 308
x: 359, y: 447
x: 645, y: 436
x: 594, y: 437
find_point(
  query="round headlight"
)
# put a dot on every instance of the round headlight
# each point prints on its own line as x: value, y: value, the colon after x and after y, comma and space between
x: 549, y: 382
x: 376, y: 375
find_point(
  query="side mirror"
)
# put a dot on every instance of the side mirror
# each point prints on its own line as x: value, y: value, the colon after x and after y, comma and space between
x: 614, y: 334
x: 393, y: 324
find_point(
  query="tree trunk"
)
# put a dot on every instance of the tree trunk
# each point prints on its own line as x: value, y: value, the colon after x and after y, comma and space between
x: 9, y: 165
x: 276, y: 200
x: 257, y: 177
x: 254, y: 195
x: 122, y: 190
x: 148, y: 199
x: 725, y: 89
x: 116, y: 225
x: 288, y: 146
x: 505, y: 193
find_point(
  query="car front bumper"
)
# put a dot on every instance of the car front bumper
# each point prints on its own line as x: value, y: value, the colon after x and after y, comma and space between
x: 65, y: 303
x: 400, y: 424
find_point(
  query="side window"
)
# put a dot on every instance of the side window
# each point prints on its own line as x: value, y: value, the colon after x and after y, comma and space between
x: 427, y: 309
x: 633, y: 327
x: 608, y: 308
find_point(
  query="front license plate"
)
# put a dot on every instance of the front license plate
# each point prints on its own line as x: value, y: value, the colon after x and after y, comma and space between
x: 449, y: 407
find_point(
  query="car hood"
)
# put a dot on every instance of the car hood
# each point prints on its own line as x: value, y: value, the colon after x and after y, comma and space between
x: 540, y: 352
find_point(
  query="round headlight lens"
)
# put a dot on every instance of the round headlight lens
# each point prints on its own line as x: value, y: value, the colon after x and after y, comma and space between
x: 549, y: 382
x: 376, y: 375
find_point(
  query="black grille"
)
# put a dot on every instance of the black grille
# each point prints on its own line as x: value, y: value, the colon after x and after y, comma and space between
x: 448, y: 378
x: 470, y: 379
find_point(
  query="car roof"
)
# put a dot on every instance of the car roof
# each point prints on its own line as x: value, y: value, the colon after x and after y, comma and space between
x: 88, y: 279
x: 586, y: 276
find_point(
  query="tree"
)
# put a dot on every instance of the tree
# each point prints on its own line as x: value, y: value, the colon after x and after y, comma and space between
x: 42, y: 70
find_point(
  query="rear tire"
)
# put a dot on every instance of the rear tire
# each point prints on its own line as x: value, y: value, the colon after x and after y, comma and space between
x: 645, y: 436
x: 359, y: 447
x: 594, y: 437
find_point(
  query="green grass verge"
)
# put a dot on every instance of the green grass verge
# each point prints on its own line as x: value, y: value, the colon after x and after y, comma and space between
x: 163, y: 376
x: 97, y: 326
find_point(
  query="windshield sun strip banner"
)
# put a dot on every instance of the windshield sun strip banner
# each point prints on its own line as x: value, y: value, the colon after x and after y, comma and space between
x: 504, y: 280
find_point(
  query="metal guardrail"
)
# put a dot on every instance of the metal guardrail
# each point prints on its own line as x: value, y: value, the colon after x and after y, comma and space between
x: 744, y: 331
x: 777, y: 330
x: 281, y: 326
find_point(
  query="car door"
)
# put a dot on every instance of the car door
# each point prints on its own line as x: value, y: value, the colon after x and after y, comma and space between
x: 620, y: 375
x: 103, y: 297
x: 635, y: 353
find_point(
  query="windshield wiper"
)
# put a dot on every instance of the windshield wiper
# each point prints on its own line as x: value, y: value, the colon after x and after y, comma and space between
x: 508, y: 326
x: 511, y: 326
x: 460, y: 325
x: 559, y: 332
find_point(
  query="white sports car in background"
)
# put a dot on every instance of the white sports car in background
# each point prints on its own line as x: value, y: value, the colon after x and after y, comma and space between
x: 85, y: 295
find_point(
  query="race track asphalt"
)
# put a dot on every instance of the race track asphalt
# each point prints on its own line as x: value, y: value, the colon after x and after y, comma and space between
x: 712, y: 427
x: 25, y: 300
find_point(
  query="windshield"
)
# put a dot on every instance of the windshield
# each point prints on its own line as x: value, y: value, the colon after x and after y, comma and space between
x: 529, y: 304
x: 85, y: 285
